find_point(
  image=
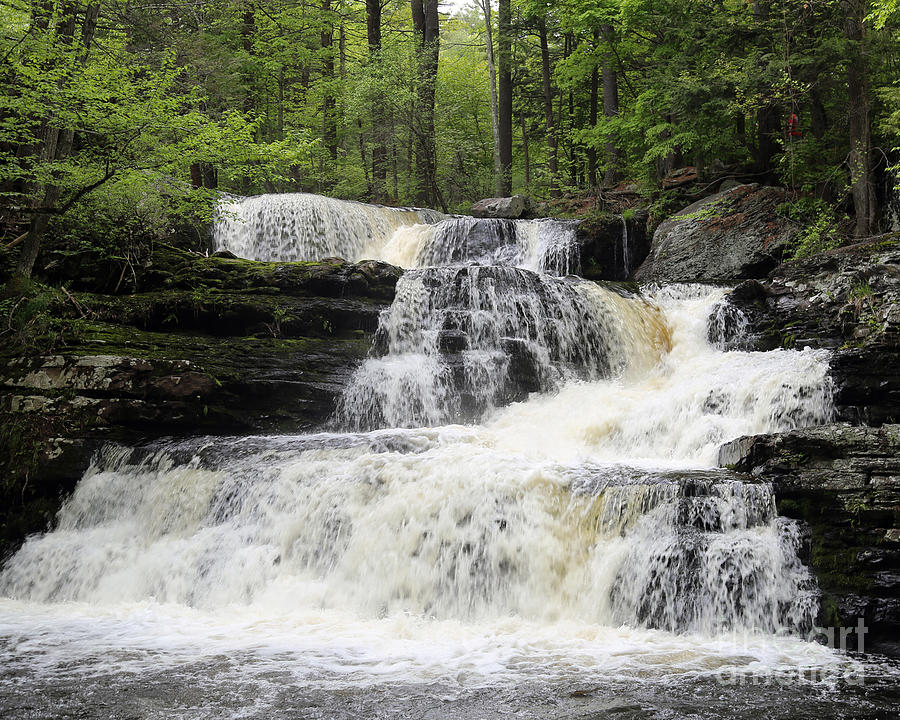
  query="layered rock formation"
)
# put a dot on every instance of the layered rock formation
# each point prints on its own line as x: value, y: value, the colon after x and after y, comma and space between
x: 846, y: 299
x: 204, y: 345
x: 844, y: 482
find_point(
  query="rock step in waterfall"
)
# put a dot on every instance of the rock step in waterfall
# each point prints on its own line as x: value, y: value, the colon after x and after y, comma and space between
x: 460, y: 341
x: 421, y: 522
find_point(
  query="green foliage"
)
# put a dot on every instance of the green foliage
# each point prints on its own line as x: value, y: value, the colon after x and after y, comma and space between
x: 30, y: 318
x: 860, y: 290
x: 250, y: 91
x: 819, y: 228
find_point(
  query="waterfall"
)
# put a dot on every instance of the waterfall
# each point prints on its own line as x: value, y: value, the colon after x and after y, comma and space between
x: 457, y: 342
x: 435, y: 524
x: 589, y: 503
x: 518, y: 486
x: 626, y: 250
x: 303, y: 226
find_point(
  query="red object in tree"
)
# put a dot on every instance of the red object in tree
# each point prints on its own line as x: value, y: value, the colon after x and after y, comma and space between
x: 794, y: 126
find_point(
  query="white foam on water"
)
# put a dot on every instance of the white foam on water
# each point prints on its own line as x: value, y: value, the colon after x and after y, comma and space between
x: 303, y: 226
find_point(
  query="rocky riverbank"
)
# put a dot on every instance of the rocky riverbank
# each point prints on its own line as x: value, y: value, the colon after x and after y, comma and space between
x: 847, y: 300
x: 843, y: 482
x: 198, y: 345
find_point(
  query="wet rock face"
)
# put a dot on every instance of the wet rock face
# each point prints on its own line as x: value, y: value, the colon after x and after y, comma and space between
x: 511, y: 208
x: 846, y: 299
x: 613, y: 247
x: 204, y: 345
x: 844, y: 482
x: 732, y: 235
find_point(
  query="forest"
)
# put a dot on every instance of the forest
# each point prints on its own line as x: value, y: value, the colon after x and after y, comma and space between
x: 124, y: 120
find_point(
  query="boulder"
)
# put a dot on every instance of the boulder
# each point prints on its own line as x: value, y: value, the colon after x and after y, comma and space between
x: 844, y: 483
x: 732, y: 235
x: 511, y: 208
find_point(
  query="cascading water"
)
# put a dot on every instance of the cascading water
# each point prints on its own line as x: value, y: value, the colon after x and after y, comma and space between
x: 576, y: 533
x: 302, y: 226
x: 626, y: 249
x: 459, y: 341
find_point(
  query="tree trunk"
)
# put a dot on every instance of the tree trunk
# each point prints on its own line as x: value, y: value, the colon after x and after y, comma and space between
x: 767, y: 116
x: 329, y: 123
x: 499, y: 187
x: 362, y: 156
x: 548, y: 108
x: 610, y: 107
x: 425, y: 23
x: 525, y: 154
x: 592, y: 116
x: 504, y: 94
x: 862, y: 188
x: 248, y: 29
x: 379, y: 126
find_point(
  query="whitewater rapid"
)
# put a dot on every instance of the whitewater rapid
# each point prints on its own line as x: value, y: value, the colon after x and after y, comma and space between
x: 303, y: 226
x: 518, y: 544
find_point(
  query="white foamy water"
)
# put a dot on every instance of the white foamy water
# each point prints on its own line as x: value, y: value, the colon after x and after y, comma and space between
x: 458, y: 342
x: 551, y: 539
x: 303, y: 226
x: 679, y: 411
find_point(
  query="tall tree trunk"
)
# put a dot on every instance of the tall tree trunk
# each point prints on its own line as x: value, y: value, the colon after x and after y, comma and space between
x: 279, y: 130
x: 592, y: 115
x: 61, y: 144
x: 499, y: 187
x: 548, y: 107
x: 329, y: 122
x: 379, y: 126
x: 362, y: 156
x: 862, y: 188
x: 504, y: 94
x: 525, y: 153
x: 767, y: 116
x: 610, y: 106
x: 248, y: 104
x: 572, y: 120
x: 425, y: 23
x: 394, y: 173
x: 248, y: 29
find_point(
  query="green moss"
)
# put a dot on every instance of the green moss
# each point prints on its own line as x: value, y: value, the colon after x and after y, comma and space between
x: 793, y: 459
x: 834, y: 549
